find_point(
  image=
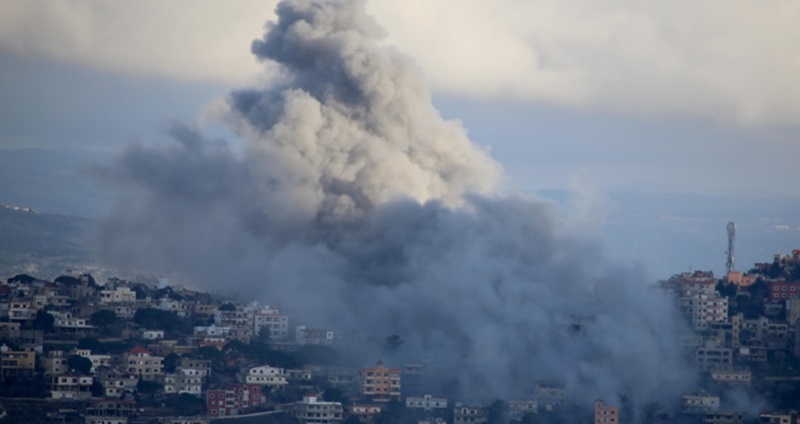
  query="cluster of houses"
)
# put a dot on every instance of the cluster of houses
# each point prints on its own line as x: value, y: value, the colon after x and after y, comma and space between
x: 123, y: 349
x: 742, y: 325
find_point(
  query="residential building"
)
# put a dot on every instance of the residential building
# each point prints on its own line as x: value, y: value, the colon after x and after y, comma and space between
x: 55, y: 363
x: 16, y: 363
x: 699, y: 402
x: 426, y: 403
x: 195, y: 367
x: 20, y: 310
x: 365, y: 412
x: 381, y: 384
x: 713, y: 358
x: 96, y: 359
x: 116, y: 383
x: 117, y: 295
x: 313, y: 336
x: 775, y: 418
x: 720, y: 417
x: 180, y: 382
x: 75, y: 387
x: 236, y: 400
x: 550, y: 395
x: 781, y: 291
x: 463, y: 414
x: 152, y: 334
x: 266, y: 376
x: 518, y: 408
x: 732, y: 377
x: 704, y: 309
x: 313, y: 411
x: 605, y: 414
x: 143, y: 363
x: 271, y: 320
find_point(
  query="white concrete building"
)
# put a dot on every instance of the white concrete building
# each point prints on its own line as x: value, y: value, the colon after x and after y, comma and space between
x: 426, y: 402
x: 117, y: 295
x: 77, y: 387
x: 152, y: 334
x: 96, y: 359
x: 142, y: 362
x: 704, y: 309
x: 700, y: 402
x: 266, y: 376
x: 271, y: 320
x: 180, y: 382
x: 313, y: 336
x: 312, y: 411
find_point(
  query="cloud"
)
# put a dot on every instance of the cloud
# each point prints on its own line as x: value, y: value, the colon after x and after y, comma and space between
x: 731, y: 61
x: 352, y: 203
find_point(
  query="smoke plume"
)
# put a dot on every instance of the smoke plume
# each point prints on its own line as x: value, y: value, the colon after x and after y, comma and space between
x: 352, y: 203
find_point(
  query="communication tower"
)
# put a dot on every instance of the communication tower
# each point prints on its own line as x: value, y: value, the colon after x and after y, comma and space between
x: 731, y: 239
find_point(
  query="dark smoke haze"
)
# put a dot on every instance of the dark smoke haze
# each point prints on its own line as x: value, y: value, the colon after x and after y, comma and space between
x: 354, y: 204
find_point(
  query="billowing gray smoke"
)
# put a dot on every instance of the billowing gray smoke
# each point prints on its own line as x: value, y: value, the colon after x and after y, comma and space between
x: 355, y: 205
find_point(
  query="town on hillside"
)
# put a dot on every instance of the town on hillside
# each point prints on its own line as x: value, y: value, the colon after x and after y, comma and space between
x: 75, y: 350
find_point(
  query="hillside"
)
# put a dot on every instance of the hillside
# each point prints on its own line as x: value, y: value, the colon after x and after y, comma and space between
x: 41, y: 243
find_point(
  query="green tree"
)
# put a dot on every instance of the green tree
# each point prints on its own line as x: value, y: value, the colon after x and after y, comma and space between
x: 186, y: 404
x: 393, y: 413
x: 21, y: 278
x: 44, y: 321
x: 726, y: 289
x: 333, y: 394
x: 67, y: 280
x: 80, y: 364
x: 97, y: 388
x: 171, y: 362
x: 148, y: 387
x: 227, y: 307
x: 103, y: 318
x: 210, y: 353
x: 89, y: 343
x: 170, y: 322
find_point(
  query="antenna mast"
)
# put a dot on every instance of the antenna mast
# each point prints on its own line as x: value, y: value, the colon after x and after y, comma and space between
x: 731, y: 239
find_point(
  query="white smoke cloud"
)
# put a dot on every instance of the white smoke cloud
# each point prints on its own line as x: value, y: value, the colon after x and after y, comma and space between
x: 353, y: 203
x: 726, y: 60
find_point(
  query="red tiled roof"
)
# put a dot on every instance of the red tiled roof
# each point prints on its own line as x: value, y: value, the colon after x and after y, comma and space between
x: 138, y: 349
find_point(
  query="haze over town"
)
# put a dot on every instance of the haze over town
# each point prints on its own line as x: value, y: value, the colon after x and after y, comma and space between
x: 453, y: 174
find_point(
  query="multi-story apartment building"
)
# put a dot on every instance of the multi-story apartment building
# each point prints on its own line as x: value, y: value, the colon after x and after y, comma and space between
x: 699, y: 402
x: 381, y: 384
x: 116, y: 383
x: 313, y: 336
x: 781, y: 291
x: 704, y: 309
x: 142, y: 362
x: 235, y: 400
x: 117, y: 295
x: 266, y: 376
x: 271, y: 320
x: 16, y: 363
x: 180, y: 382
x: 77, y: 387
x: 313, y: 411
x: 605, y: 414
x: 426, y: 403
x: 20, y: 310
x: 463, y: 414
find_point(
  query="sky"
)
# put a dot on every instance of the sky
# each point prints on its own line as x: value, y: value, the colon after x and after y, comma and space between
x: 624, y: 95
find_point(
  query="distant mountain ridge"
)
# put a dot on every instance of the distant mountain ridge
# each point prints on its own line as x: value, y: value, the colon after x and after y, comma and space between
x: 41, y: 243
